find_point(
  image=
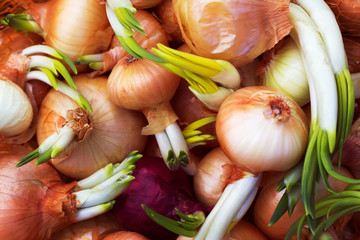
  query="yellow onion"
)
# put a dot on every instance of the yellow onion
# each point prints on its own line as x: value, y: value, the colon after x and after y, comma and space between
x: 90, y: 229
x: 142, y: 4
x: 262, y: 129
x: 233, y: 30
x: 268, y: 200
x: 16, y: 112
x: 107, y: 135
x: 284, y: 70
x: 76, y: 28
x: 143, y: 85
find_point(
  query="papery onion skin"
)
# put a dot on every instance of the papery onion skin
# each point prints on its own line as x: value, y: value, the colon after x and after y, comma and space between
x: 233, y: 30
x: 90, y: 229
x: 212, y: 176
x: 347, y: 13
x: 76, y: 28
x: 35, y: 202
x: 158, y: 188
x: 16, y: 112
x: 268, y: 199
x: 115, y: 131
x: 352, y: 48
x: 256, y: 118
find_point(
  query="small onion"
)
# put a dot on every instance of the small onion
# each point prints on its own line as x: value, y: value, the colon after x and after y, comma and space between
x: 225, y: 29
x: 284, y: 70
x: 111, y: 134
x: 76, y: 28
x: 256, y: 118
x: 16, y: 112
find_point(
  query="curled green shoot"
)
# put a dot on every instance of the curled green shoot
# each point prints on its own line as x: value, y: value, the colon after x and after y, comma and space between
x: 187, y: 226
x: 22, y: 22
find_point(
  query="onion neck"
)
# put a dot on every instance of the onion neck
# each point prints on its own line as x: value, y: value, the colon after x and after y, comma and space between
x: 277, y: 109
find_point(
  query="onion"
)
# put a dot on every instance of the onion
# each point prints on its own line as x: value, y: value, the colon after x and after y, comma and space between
x: 90, y: 229
x: 347, y: 15
x: 17, y: 113
x: 75, y: 28
x: 125, y: 235
x: 256, y: 118
x: 245, y: 231
x: 142, y: 85
x: 284, y: 70
x: 141, y: 4
x: 36, y: 203
x: 268, y: 200
x: 109, y: 135
x: 165, y: 12
x: 225, y: 29
x: 154, y: 34
x: 159, y: 189
x: 352, y: 48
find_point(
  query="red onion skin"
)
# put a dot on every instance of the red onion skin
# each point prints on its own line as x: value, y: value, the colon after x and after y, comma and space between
x: 158, y: 188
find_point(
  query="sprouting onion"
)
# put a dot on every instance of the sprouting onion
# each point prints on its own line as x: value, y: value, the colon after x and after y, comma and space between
x: 331, y: 94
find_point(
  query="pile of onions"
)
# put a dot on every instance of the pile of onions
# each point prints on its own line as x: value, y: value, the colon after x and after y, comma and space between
x: 158, y: 188
x: 225, y: 29
x: 75, y: 28
x: 107, y: 135
x: 256, y: 118
x: 268, y: 199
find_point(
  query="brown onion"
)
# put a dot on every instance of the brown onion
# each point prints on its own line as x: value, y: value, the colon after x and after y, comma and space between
x: 110, y: 134
x: 76, y: 28
x: 233, y: 30
x: 347, y: 14
x: 256, y: 118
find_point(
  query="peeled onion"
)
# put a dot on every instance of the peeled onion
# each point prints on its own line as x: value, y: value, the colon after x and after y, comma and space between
x: 262, y: 129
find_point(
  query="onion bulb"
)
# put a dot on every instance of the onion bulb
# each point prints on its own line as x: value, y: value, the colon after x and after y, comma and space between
x: 16, y: 112
x: 142, y: 4
x: 268, y: 199
x: 347, y: 15
x: 284, y: 70
x: 107, y: 135
x: 36, y: 203
x: 76, y: 28
x: 225, y: 29
x: 143, y: 85
x: 255, y: 118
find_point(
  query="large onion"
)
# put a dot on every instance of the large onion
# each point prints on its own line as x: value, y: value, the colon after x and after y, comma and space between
x: 76, y: 28
x: 110, y: 135
x: 234, y: 30
x: 262, y: 129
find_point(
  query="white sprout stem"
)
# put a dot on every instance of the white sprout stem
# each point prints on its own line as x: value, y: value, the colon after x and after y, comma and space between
x: 127, y: 171
x: 48, y: 142
x: 356, y: 81
x: 42, y: 61
x: 165, y: 149
x: 118, y: 28
x: 66, y: 136
x: 91, y: 58
x: 97, y: 177
x: 177, y: 139
x: 232, y: 205
x: 62, y: 87
x: 213, y: 100
x: 90, y: 212
x: 326, y: 24
x: 229, y: 77
x: 41, y: 49
x: 319, y: 70
x: 109, y: 193
x: 115, y: 4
